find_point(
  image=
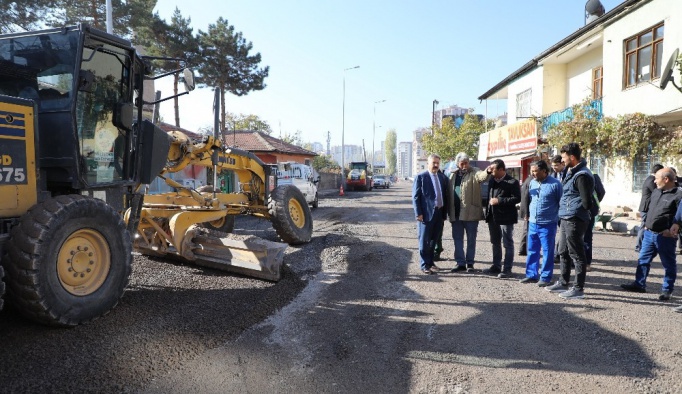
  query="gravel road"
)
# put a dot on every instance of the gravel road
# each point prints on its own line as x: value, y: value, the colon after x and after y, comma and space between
x: 354, y: 314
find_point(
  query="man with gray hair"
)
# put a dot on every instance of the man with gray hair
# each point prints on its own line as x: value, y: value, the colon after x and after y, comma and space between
x: 661, y: 227
x: 465, y: 209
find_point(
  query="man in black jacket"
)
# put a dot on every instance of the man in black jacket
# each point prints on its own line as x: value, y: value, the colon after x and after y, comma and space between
x: 504, y: 192
x: 647, y: 187
x: 660, y: 234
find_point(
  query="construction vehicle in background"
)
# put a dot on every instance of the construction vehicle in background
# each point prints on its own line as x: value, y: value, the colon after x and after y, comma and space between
x: 360, y: 176
x: 75, y: 153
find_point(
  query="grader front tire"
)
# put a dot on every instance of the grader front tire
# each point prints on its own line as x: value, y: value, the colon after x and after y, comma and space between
x: 225, y: 224
x: 290, y: 215
x: 68, y: 261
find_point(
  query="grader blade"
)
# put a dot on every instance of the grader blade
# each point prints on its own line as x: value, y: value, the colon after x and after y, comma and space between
x: 246, y: 255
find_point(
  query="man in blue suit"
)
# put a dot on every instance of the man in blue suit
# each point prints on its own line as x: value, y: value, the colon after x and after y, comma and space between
x: 429, y: 192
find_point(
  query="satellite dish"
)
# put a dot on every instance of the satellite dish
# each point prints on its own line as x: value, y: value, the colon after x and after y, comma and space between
x: 667, y: 74
x: 593, y: 10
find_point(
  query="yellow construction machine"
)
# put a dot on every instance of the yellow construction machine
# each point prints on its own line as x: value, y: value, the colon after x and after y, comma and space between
x: 75, y: 154
x: 191, y: 224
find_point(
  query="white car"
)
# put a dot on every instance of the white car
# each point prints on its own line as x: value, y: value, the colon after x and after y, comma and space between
x: 381, y: 181
x: 304, y: 177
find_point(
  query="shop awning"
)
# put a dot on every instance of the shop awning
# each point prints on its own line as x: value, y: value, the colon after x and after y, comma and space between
x: 514, y: 161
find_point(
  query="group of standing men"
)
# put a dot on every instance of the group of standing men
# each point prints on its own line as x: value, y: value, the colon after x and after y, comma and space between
x: 566, y: 197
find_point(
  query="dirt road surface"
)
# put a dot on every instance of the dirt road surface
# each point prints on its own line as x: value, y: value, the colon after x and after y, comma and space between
x: 354, y: 314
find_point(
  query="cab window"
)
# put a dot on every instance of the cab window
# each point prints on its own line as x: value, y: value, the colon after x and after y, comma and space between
x: 102, y: 144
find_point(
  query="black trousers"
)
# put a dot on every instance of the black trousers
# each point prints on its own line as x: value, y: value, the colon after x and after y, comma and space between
x: 523, y: 246
x: 572, y: 248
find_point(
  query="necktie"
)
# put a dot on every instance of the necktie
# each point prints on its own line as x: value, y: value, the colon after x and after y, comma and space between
x: 439, y: 195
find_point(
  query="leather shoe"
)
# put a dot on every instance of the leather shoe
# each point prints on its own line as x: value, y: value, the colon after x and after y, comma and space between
x: 427, y: 272
x: 528, y: 280
x: 435, y: 268
x: 665, y: 295
x: 459, y: 268
x: 633, y: 288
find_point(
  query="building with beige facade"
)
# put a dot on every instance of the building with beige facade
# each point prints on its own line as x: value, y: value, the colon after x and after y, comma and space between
x: 616, y: 60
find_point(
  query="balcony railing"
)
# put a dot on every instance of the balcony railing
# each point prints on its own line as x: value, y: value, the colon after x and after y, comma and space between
x: 566, y: 115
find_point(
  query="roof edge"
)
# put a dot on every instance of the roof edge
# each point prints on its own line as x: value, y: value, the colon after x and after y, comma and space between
x: 533, y: 63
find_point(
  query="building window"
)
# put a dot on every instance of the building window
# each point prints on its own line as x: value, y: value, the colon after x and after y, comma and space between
x: 597, y: 82
x: 643, y: 56
x: 523, y: 104
x: 597, y: 163
x: 641, y: 168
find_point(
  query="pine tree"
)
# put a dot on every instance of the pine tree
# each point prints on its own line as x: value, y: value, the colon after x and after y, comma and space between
x: 24, y: 15
x: 226, y: 64
x: 175, y: 40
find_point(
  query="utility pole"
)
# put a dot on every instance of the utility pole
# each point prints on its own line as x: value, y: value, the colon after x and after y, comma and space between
x: 433, y: 114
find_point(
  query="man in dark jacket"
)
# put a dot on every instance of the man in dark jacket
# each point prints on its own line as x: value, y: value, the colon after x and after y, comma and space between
x: 523, y: 213
x: 429, y: 193
x: 574, y: 212
x: 647, y: 187
x: 660, y: 234
x: 504, y: 192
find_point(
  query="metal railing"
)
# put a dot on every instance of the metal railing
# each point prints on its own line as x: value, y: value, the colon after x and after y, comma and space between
x: 566, y: 115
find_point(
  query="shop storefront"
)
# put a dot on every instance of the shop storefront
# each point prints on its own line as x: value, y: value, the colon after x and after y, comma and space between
x: 515, y: 144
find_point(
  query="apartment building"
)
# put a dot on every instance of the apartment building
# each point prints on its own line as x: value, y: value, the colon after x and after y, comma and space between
x: 616, y: 60
x: 404, y: 160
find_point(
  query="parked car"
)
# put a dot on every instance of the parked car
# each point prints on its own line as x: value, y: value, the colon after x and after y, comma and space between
x: 303, y: 177
x: 381, y: 181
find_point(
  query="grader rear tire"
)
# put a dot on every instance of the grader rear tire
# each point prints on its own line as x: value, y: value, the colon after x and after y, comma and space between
x: 68, y: 261
x: 290, y: 215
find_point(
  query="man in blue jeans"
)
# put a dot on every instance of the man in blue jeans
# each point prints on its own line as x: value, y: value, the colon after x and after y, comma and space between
x: 661, y: 227
x: 543, y: 214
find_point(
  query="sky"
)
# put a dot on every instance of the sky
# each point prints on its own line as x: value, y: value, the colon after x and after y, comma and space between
x: 409, y: 53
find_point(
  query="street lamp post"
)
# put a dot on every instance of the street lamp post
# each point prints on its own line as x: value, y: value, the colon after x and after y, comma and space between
x: 433, y: 113
x: 343, y: 128
x: 374, y: 130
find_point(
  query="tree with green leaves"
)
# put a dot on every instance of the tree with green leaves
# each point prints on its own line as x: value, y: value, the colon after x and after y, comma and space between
x: 447, y: 140
x: 324, y: 162
x: 128, y: 15
x: 627, y: 136
x: 227, y: 65
x: 175, y: 41
x: 583, y: 125
x: 294, y: 139
x: 390, y: 144
x: 247, y: 122
x: 24, y: 15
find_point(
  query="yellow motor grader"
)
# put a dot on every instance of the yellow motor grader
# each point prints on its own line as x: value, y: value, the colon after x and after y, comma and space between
x: 191, y: 224
x: 76, y: 152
